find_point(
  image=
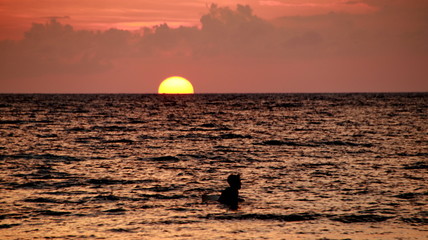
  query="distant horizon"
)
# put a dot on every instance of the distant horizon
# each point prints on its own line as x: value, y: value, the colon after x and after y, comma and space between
x: 223, y: 93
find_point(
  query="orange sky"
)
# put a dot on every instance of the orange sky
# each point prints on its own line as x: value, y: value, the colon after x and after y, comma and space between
x: 259, y: 46
x: 18, y: 15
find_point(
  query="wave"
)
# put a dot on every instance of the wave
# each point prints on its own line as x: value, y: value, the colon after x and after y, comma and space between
x: 353, y: 218
x: 315, y: 143
x: 417, y: 165
x: 126, y: 141
x: 277, y: 217
x: 163, y: 159
x: 113, y: 129
x: 47, y: 156
x: 345, y: 218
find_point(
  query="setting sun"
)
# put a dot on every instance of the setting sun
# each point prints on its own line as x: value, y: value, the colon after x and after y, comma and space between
x: 175, y: 85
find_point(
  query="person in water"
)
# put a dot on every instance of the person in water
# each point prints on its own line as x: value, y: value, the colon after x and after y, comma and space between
x: 230, y: 196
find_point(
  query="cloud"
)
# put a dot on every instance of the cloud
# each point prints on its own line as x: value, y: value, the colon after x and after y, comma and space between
x: 56, y: 48
x: 235, y: 32
x: 392, y: 29
x: 223, y: 31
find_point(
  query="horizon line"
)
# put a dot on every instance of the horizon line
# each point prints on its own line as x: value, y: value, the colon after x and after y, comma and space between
x: 213, y: 93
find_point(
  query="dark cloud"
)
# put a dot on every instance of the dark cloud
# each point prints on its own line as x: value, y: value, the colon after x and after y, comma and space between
x: 234, y: 32
x: 223, y: 31
x: 164, y: 41
x: 54, y: 47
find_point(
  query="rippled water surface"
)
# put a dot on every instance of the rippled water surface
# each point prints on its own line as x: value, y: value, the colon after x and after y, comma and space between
x: 314, y: 166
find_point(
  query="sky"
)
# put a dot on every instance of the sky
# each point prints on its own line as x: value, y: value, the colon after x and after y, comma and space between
x: 224, y: 46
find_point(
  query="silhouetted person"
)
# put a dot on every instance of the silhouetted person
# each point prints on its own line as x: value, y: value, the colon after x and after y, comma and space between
x: 230, y: 196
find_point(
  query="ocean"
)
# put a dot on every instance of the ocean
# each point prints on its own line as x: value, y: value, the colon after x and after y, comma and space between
x: 313, y: 166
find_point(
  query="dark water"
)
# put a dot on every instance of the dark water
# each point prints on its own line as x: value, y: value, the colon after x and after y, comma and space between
x: 314, y: 166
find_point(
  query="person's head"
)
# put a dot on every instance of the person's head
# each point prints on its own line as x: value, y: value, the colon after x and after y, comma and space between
x: 234, y: 181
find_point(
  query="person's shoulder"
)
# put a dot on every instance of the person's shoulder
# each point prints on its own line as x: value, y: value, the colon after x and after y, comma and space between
x: 226, y: 191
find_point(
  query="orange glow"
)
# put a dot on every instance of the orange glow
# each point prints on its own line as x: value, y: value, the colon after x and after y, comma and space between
x: 17, y: 16
x: 175, y: 85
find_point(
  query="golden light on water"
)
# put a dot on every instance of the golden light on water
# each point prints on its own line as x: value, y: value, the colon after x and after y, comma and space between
x: 176, y: 85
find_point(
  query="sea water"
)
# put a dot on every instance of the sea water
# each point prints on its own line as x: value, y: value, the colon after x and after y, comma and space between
x: 313, y: 166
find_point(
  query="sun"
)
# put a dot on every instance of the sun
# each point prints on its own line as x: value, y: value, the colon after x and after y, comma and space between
x: 175, y: 85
